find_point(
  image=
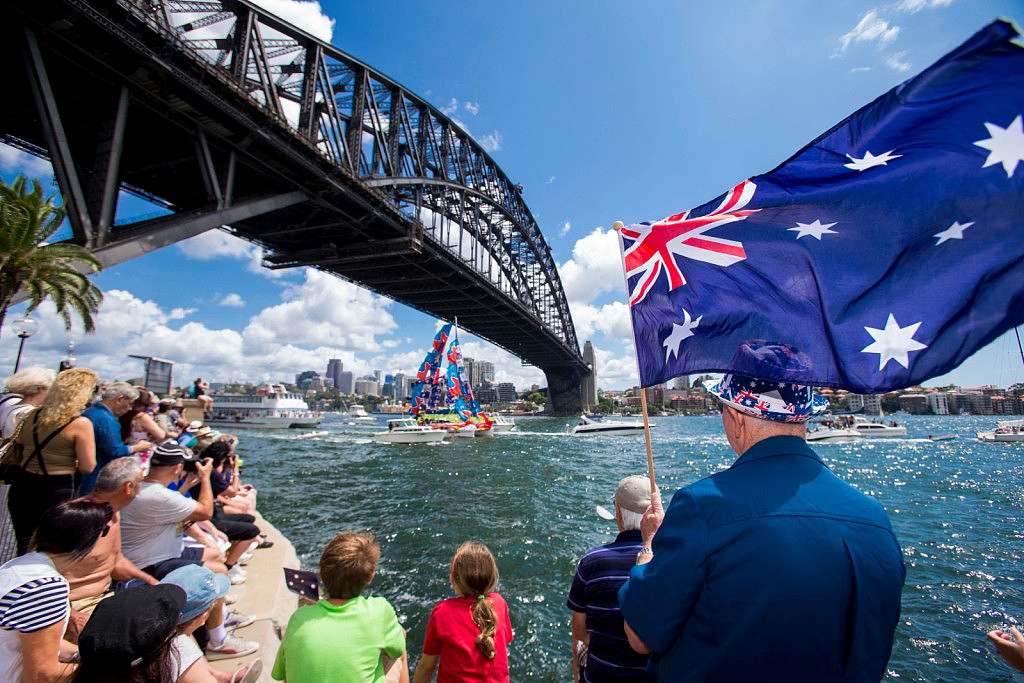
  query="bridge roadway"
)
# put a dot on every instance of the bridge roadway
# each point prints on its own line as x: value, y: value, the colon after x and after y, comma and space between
x: 231, y: 118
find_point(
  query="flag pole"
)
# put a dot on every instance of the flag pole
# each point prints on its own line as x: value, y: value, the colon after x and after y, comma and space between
x: 643, y: 405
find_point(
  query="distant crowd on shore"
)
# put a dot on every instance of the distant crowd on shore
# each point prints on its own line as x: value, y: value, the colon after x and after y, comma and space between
x: 132, y: 524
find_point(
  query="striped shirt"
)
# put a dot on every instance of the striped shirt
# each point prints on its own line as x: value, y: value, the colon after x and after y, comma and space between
x: 595, y: 591
x: 33, y: 596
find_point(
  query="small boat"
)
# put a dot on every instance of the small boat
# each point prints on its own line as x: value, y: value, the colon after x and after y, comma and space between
x: 311, y: 435
x: 357, y: 415
x: 590, y: 426
x: 941, y: 437
x: 875, y: 429
x: 826, y: 433
x: 405, y: 430
x: 502, y: 423
x: 1006, y: 431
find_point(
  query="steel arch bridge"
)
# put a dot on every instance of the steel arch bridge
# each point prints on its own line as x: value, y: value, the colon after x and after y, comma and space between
x: 230, y: 117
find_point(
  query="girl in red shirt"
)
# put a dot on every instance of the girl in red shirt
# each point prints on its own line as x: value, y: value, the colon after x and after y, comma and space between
x: 468, y: 635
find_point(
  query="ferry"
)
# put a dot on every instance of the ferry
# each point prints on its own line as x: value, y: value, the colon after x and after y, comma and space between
x: 270, y: 408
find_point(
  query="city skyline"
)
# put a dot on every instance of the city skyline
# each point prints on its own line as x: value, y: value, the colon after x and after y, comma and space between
x: 645, y: 128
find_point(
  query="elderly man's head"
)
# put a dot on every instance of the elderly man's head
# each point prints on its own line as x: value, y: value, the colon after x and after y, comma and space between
x: 119, y: 481
x: 119, y: 396
x: 755, y: 409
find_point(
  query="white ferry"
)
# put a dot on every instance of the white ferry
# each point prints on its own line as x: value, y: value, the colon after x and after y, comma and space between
x: 270, y: 408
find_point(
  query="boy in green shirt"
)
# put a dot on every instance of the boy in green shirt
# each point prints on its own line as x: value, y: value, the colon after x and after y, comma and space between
x: 343, y: 637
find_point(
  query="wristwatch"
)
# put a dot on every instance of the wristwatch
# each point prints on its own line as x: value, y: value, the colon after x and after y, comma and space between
x: 644, y: 551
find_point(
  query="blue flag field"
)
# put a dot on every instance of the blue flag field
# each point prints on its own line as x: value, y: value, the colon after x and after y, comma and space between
x: 882, y: 254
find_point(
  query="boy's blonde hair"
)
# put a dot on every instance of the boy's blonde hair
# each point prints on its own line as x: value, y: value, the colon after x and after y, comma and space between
x: 348, y: 563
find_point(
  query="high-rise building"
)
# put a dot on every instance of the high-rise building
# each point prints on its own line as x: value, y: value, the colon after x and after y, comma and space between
x: 486, y: 371
x: 302, y: 379
x: 506, y: 393
x: 367, y: 386
x: 346, y: 382
x: 401, y: 387
x: 681, y: 383
x: 590, y: 381
x: 472, y: 371
x: 334, y: 368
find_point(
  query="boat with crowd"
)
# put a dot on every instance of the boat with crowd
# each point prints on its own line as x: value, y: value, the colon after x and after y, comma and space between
x: 1006, y: 431
x: 271, y: 407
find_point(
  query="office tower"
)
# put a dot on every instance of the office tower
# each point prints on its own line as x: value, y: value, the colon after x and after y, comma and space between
x: 681, y: 383
x: 334, y: 368
x: 486, y: 371
x: 472, y: 371
x: 345, y: 383
x: 590, y: 381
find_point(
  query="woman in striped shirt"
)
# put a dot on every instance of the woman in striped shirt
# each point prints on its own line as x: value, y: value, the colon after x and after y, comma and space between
x: 34, y: 604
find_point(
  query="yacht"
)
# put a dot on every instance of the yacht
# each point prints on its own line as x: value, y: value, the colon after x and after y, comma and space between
x: 502, y: 423
x: 590, y: 425
x: 357, y: 415
x: 1006, y: 431
x: 405, y: 430
x: 876, y: 429
x: 827, y: 433
x: 271, y: 407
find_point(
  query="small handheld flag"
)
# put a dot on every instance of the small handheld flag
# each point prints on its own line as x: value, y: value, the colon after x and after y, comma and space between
x: 882, y: 254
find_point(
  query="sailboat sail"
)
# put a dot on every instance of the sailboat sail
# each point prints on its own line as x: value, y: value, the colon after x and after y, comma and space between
x: 448, y: 396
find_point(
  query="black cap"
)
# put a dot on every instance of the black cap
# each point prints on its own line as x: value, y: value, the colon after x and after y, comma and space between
x: 130, y: 626
x: 169, y: 454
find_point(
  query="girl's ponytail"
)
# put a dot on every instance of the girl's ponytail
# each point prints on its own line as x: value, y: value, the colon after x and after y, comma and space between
x: 486, y: 620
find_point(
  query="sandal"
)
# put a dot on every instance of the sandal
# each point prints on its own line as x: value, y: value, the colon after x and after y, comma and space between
x: 265, y: 544
x: 249, y: 674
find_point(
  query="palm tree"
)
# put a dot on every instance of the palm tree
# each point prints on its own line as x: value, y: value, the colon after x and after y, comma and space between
x: 27, y: 220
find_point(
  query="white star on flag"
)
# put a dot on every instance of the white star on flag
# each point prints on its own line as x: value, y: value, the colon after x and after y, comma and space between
x: 815, y: 229
x: 953, y: 232
x: 679, y: 333
x: 869, y: 160
x: 893, y: 343
x: 1004, y: 145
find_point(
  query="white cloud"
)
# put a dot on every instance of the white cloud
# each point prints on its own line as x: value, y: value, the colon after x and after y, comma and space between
x: 233, y: 300
x: 450, y: 108
x: 871, y: 28
x: 895, y: 62
x: 180, y: 313
x: 860, y: 69
x: 565, y: 229
x: 551, y: 179
x: 215, y: 244
x: 913, y: 6
x: 309, y: 16
x: 13, y: 160
x: 472, y: 107
x: 491, y: 142
x: 595, y: 267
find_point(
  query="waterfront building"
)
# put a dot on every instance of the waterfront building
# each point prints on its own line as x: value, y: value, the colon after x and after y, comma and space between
x: 1007, y: 405
x: 915, y: 404
x: 486, y: 371
x: 367, y: 386
x: 345, y: 382
x: 590, y: 381
x: 472, y: 371
x: 681, y: 383
x: 871, y: 404
x: 937, y: 403
x: 486, y: 395
x: 506, y: 393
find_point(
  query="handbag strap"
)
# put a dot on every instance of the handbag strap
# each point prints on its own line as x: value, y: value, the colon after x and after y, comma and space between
x: 37, y: 451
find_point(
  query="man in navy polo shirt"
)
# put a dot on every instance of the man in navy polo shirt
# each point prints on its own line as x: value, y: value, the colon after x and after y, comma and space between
x: 594, y: 596
x: 771, y: 570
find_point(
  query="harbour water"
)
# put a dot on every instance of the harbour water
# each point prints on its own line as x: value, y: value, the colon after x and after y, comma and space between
x: 957, y: 507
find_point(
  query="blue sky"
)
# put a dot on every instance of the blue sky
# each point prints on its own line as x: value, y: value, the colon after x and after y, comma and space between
x: 604, y: 111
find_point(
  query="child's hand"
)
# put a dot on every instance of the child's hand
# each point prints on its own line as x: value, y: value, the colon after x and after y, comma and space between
x: 1010, y: 646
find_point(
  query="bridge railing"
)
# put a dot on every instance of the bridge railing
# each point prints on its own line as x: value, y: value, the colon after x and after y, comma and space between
x: 362, y: 121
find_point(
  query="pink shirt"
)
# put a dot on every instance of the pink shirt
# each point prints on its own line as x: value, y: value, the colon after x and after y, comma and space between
x: 451, y: 633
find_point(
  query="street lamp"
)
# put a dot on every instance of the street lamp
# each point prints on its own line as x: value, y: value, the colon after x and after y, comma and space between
x: 24, y: 327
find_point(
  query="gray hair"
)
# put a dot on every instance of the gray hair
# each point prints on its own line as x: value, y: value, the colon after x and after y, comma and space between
x: 115, y: 389
x: 30, y: 381
x: 630, y: 519
x: 116, y: 473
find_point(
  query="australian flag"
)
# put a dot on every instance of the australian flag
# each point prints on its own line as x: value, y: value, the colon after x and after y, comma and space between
x: 882, y: 254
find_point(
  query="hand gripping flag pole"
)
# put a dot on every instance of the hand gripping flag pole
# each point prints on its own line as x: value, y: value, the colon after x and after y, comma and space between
x: 643, y: 405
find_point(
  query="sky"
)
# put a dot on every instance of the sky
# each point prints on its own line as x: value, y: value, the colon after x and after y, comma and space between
x: 603, y: 110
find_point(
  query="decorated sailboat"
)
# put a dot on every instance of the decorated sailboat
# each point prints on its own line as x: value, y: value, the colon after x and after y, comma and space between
x: 442, y: 397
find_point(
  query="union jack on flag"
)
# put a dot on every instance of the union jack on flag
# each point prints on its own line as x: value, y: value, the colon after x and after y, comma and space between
x: 882, y: 254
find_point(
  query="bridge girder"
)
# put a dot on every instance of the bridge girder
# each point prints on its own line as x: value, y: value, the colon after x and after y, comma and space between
x: 297, y: 147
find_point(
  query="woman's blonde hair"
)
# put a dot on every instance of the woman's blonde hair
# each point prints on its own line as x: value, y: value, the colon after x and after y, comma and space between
x: 67, y: 397
x: 475, y: 575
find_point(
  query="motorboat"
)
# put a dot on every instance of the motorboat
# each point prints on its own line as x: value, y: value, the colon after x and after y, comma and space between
x: 406, y: 430
x: 502, y: 423
x: 592, y: 425
x: 311, y: 435
x: 826, y: 433
x: 941, y: 437
x: 1006, y: 431
x: 271, y: 407
x: 357, y: 415
x: 876, y: 429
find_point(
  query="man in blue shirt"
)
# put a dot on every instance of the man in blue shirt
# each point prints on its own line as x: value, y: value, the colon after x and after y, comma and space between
x: 594, y: 595
x: 116, y: 399
x: 773, y: 569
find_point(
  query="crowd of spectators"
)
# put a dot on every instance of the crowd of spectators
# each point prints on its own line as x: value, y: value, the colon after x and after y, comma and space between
x: 127, y: 540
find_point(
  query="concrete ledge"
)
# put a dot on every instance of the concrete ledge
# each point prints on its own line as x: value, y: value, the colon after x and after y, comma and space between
x: 265, y: 596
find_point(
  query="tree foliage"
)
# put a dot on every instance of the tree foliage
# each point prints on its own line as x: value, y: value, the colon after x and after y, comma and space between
x: 46, y: 271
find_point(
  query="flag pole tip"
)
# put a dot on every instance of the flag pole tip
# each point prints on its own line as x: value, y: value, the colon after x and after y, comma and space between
x: 618, y: 226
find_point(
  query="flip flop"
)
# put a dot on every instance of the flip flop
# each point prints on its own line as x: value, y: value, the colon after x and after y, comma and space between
x: 250, y: 674
x: 265, y: 544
